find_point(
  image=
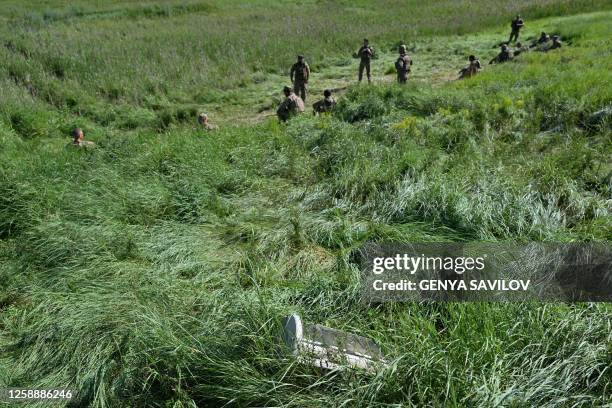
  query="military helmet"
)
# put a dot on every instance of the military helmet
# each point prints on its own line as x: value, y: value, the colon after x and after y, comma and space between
x: 300, y: 56
x: 287, y: 89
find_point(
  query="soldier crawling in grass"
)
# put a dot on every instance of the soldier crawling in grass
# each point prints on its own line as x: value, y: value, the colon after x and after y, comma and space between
x: 365, y: 55
x: 472, y: 69
x: 204, y: 122
x: 300, y: 72
x: 77, y: 139
x: 520, y: 48
x: 556, y: 43
x: 403, y: 65
x: 542, y: 41
x: 506, y: 54
x: 290, y: 106
x: 327, y: 104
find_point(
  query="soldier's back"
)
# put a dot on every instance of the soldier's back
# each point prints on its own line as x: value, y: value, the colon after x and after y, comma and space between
x: 299, y: 103
x: 83, y: 144
x: 295, y: 103
x: 324, y: 105
x: 403, y: 63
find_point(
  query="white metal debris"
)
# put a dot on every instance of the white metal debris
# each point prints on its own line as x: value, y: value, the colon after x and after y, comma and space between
x: 328, y: 348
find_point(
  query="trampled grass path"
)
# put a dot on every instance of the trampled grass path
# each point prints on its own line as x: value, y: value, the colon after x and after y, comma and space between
x: 155, y: 269
x: 436, y: 61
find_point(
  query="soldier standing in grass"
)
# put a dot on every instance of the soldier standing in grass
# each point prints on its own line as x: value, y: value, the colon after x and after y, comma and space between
x: 472, y: 69
x: 365, y: 55
x: 77, y: 139
x: 505, y: 55
x: 516, y: 26
x: 290, y: 106
x: 327, y: 104
x: 300, y: 71
x: 402, y: 65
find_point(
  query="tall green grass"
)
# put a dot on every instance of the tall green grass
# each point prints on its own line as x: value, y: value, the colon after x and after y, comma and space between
x: 154, y: 62
x: 155, y: 269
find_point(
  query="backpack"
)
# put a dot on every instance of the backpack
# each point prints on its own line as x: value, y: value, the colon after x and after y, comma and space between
x: 402, y: 63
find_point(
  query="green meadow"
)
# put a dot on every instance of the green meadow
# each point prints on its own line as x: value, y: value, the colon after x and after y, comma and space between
x: 155, y: 269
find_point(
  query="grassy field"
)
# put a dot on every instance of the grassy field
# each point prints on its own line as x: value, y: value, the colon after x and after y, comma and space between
x: 155, y: 269
x: 154, y: 63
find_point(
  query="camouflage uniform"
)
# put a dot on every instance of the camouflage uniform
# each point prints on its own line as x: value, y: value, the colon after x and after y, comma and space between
x: 544, y: 38
x: 77, y: 139
x: 291, y: 106
x: 326, y: 104
x: 300, y: 71
x: 542, y: 42
x: 365, y: 54
x: 205, y: 124
x: 402, y: 65
x: 556, y: 42
x: 471, y: 70
x: 520, y: 48
x: 516, y: 26
x: 505, y: 55
x: 475, y: 66
x: 85, y: 144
